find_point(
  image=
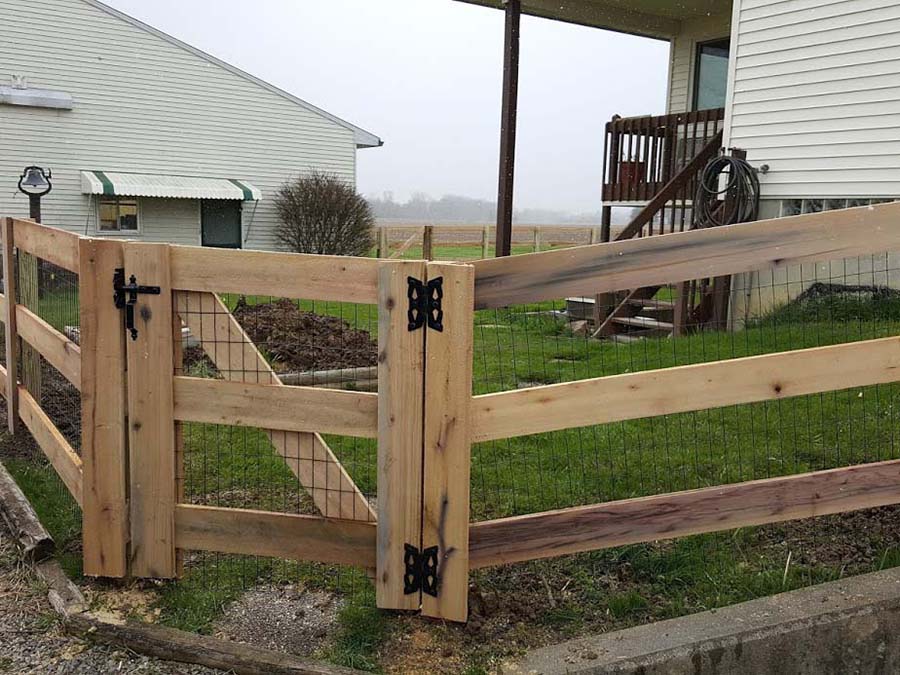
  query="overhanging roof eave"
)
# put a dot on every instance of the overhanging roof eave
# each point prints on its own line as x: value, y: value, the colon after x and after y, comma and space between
x: 604, y: 17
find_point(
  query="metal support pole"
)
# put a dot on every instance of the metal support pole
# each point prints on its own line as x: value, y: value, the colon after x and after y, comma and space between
x: 34, y: 207
x: 508, y: 128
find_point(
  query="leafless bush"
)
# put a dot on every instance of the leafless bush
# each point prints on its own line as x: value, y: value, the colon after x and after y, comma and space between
x: 320, y: 213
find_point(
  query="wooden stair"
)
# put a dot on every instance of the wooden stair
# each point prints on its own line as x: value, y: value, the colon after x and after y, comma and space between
x: 638, y: 315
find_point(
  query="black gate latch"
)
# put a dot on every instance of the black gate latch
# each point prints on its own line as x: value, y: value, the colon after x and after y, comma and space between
x: 425, y: 303
x: 120, y: 289
x: 421, y: 570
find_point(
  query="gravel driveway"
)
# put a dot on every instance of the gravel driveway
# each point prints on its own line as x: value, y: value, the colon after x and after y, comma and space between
x: 31, y: 640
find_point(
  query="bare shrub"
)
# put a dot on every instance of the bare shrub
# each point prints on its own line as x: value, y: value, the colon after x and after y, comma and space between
x: 320, y: 213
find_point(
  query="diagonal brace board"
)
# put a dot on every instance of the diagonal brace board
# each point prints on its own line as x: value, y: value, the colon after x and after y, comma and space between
x: 307, y: 454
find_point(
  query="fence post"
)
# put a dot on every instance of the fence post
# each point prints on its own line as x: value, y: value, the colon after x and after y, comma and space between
x: 428, y: 242
x: 485, y: 241
x: 400, y: 422
x: 103, y: 409
x: 11, y: 335
x: 448, y: 393
x: 537, y: 239
x: 382, y: 242
x: 27, y: 284
x: 151, y: 425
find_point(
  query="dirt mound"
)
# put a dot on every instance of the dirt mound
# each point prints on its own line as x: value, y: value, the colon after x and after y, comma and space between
x: 294, y: 340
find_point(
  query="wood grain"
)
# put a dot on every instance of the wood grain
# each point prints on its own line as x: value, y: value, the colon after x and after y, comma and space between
x: 633, y: 521
x: 291, y: 275
x: 59, y: 351
x: 278, y: 407
x: 103, y: 410
x: 448, y: 393
x: 57, y: 449
x: 151, y: 426
x: 280, y: 535
x: 621, y: 265
x: 11, y: 338
x: 685, y: 388
x: 400, y: 427
x: 238, y: 360
x: 57, y: 246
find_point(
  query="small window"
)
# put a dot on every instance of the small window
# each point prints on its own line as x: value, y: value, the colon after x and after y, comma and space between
x: 118, y: 215
x: 711, y: 74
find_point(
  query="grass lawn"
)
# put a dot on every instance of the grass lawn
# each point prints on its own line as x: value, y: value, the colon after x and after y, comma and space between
x: 526, y: 346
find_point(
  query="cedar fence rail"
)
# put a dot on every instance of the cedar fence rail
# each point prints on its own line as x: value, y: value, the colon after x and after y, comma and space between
x: 418, y: 539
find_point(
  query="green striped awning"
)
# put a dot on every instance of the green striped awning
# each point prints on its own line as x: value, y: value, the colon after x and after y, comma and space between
x: 114, y: 183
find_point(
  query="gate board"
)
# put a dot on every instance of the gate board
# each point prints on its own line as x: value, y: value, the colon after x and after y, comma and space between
x: 447, y: 395
x: 400, y: 422
x: 151, y: 427
x: 307, y: 455
x: 103, y: 409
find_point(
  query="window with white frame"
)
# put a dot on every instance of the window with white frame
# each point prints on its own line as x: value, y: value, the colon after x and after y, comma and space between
x: 117, y: 214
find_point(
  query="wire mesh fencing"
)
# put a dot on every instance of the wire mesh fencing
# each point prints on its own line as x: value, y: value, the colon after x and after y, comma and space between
x: 50, y: 293
x: 570, y: 339
x: 272, y: 340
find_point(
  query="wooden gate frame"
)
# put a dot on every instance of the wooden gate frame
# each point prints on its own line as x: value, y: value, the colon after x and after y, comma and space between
x: 129, y: 478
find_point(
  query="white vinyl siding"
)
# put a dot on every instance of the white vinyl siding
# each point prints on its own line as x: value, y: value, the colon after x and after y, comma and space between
x: 143, y: 104
x: 176, y: 221
x: 684, y: 56
x: 816, y: 96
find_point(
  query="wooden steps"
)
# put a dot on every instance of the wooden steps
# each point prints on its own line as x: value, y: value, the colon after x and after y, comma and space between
x: 644, y: 322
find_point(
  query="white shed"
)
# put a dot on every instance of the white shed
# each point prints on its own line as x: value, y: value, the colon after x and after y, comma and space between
x: 147, y: 136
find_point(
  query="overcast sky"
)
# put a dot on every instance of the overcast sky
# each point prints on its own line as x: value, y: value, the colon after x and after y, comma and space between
x: 425, y: 76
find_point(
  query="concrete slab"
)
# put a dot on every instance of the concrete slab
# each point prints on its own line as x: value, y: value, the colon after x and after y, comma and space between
x: 847, y: 626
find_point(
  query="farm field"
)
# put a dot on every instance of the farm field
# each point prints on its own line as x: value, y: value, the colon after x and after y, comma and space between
x: 520, y: 606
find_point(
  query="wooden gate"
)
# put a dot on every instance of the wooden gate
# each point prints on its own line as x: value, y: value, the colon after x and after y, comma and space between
x: 136, y: 299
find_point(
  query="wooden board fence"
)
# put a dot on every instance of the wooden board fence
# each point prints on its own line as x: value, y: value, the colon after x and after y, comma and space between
x: 424, y: 415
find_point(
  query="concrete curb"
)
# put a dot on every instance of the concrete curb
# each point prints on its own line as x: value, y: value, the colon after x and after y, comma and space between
x: 847, y: 626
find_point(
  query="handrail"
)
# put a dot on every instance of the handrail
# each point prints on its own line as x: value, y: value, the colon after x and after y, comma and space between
x: 710, y: 115
x: 672, y: 187
x: 643, y: 153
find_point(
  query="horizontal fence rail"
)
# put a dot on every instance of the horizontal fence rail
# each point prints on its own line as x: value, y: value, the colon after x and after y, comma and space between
x: 701, y: 386
x: 634, y: 521
x: 681, y: 256
x: 292, y: 275
x: 277, y: 407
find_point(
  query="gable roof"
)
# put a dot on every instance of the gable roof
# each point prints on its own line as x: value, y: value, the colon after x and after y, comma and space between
x: 363, y: 138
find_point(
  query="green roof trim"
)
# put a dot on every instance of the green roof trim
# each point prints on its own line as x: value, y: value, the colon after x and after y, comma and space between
x: 248, y: 193
x: 108, y: 189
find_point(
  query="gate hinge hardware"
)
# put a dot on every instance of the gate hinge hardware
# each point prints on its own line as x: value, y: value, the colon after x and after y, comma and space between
x: 425, y: 303
x: 421, y: 570
x: 125, y: 297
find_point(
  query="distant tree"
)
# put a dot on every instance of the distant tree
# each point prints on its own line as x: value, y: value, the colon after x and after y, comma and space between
x: 320, y: 213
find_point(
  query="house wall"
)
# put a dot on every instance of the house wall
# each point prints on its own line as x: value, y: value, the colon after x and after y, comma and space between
x: 683, y: 56
x: 143, y: 104
x: 816, y: 96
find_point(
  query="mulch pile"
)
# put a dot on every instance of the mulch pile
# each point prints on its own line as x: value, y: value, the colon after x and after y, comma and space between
x: 294, y: 340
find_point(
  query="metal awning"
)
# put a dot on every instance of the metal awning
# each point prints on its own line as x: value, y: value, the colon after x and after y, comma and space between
x: 112, y: 183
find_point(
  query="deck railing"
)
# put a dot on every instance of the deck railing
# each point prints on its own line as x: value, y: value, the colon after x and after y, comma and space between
x: 644, y: 153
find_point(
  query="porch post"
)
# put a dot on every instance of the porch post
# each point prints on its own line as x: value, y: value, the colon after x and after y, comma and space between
x: 508, y: 127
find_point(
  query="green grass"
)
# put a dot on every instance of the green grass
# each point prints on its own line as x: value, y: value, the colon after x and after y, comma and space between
x: 54, y: 506
x: 363, y: 629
